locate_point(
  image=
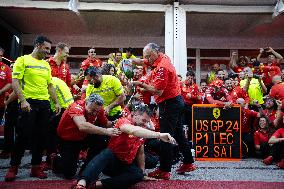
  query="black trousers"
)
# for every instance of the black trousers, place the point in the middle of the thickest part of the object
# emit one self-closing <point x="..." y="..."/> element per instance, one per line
<point x="247" y="145"/>
<point x="11" y="117"/>
<point x="31" y="130"/>
<point x="170" y="122"/>
<point x="53" y="139"/>
<point x="66" y="162"/>
<point x="187" y="120"/>
<point x="122" y="175"/>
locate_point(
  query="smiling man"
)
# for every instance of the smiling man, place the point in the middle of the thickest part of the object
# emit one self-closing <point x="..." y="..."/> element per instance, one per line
<point x="59" y="67"/>
<point x="31" y="81"/>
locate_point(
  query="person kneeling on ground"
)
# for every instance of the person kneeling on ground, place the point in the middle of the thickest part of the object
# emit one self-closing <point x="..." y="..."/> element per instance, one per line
<point x="74" y="127"/>
<point x="117" y="160"/>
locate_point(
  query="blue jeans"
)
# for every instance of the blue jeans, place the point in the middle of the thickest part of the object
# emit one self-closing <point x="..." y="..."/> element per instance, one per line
<point x="121" y="175"/>
<point x="170" y="122"/>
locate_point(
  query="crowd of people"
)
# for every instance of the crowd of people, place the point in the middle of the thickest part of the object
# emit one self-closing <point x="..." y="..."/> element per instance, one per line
<point x="127" y="114"/>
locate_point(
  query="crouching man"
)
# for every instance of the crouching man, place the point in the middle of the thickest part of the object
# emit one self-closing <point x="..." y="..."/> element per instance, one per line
<point x="117" y="161"/>
<point x="74" y="127"/>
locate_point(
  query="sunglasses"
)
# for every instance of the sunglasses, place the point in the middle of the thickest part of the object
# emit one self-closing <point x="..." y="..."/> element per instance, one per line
<point x="93" y="52"/>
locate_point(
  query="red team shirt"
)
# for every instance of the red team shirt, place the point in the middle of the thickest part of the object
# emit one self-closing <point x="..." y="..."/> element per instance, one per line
<point x="247" y="117"/>
<point x="5" y="78"/>
<point x="238" y="92"/>
<point x="193" y="91"/>
<point x="146" y="96"/>
<point x="277" y="92"/>
<point x="62" y="71"/>
<point x="268" y="73"/>
<point x="260" y="137"/>
<point x="88" y="62"/>
<point x="68" y="130"/>
<point x="125" y="146"/>
<point x="279" y="133"/>
<point x="212" y="97"/>
<point x="164" y="77"/>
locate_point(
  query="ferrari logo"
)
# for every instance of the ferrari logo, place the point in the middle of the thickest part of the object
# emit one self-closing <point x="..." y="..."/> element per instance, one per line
<point x="216" y="113"/>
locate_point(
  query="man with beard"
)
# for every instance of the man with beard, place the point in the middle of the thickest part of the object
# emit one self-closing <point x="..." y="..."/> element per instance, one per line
<point x="32" y="84"/>
<point x="217" y="94"/>
<point x="238" y="64"/>
<point x="109" y="88"/>
<point x="122" y="160"/>
<point x="236" y="92"/>
<point x="81" y="119"/>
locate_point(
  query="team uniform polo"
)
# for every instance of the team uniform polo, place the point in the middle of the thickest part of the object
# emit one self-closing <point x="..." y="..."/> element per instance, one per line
<point x="260" y="137"/>
<point x="277" y="92"/>
<point x="247" y="117"/>
<point x="34" y="76"/>
<point x="91" y="63"/>
<point x="145" y="95"/>
<point x="109" y="90"/>
<point x="279" y="133"/>
<point x="125" y="146"/>
<point x="63" y="93"/>
<point x="61" y="71"/>
<point x="238" y="92"/>
<point x="193" y="91"/>
<point x="5" y="78"/>
<point x="68" y="130"/>
<point x="164" y="77"/>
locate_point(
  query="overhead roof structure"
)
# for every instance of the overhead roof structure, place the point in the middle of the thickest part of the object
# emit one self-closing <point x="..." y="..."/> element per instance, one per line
<point x="113" y="23"/>
<point x="175" y="25"/>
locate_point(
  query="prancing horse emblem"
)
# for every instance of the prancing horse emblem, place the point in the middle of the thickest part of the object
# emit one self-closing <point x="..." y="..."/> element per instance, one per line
<point x="216" y="113"/>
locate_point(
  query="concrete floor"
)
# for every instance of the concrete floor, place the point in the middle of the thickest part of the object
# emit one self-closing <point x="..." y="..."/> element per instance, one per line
<point x="244" y="170"/>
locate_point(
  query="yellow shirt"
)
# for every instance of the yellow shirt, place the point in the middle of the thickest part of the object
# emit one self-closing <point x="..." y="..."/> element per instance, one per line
<point x="109" y="90"/>
<point x="254" y="90"/>
<point x="34" y="76"/>
<point x="63" y="93"/>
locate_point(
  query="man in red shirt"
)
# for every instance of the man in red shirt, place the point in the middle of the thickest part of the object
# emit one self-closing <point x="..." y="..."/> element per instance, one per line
<point x="141" y="94"/>
<point x="238" y="64"/>
<point x="5" y="85"/>
<point x="216" y="93"/>
<point x="273" y="59"/>
<point x="236" y="92"/>
<point x="76" y="123"/>
<point x="91" y="61"/>
<point x="58" y="65"/>
<point x="165" y="86"/>
<point x="277" y="90"/>
<point x="118" y="160"/>
<point x="247" y="118"/>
